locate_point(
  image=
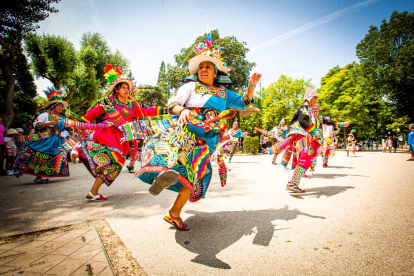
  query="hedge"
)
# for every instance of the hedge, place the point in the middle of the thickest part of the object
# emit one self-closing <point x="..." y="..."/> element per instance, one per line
<point x="251" y="145"/>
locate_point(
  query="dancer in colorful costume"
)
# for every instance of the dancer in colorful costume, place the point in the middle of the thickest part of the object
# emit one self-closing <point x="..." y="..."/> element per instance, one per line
<point x="233" y="134"/>
<point x="351" y="144"/>
<point x="105" y="158"/>
<point x="328" y="147"/>
<point x="304" y="136"/>
<point x="179" y="157"/>
<point x="41" y="155"/>
<point x="324" y="125"/>
<point x="277" y="133"/>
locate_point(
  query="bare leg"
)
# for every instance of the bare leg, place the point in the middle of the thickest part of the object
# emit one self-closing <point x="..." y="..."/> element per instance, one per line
<point x="347" y="153"/>
<point x="95" y="187"/>
<point x="182" y="198"/>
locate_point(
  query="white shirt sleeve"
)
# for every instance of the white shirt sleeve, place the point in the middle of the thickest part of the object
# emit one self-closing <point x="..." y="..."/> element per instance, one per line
<point x="182" y="95"/>
<point x="42" y="118"/>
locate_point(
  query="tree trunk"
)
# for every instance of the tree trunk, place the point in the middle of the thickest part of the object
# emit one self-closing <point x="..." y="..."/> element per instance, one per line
<point x="71" y="92"/>
<point x="6" y="55"/>
<point x="8" y="115"/>
<point x="57" y="84"/>
<point x="84" y="102"/>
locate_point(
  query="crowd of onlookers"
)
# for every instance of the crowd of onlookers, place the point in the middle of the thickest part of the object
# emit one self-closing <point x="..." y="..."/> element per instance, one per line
<point x="8" y="146"/>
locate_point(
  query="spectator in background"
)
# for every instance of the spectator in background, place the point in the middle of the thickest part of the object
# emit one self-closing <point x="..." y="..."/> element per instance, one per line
<point x="389" y="143"/>
<point x="384" y="145"/>
<point x="394" y="143"/>
<point x="410" y="142"/>
<point x="1" y="146"/>
<point x="376" y="144"/>
<point x="368" y="144"/>
<point x="10" y="149"/>
<point x="28" y="128"/>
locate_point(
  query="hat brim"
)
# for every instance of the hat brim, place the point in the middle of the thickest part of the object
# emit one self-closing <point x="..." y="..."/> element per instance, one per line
<point x="121" y="80"/>
<point x="49" y="103"/>
<point x="195" y="62"/>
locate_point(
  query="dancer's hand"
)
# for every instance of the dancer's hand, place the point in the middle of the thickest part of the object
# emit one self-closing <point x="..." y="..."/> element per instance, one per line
<point x="108" y="124"/>
<point x="254" y="79"/>
<point x="184" y="116"/>
<point x="346" y="124"/>
<point x="54" y="122"/>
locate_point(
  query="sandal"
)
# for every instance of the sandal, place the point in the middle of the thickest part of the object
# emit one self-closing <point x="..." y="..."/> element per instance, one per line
<point x="170" y="219"/>
<point x="90" y="196"/>
<point x="163" y="181"/>
<point x="41" y="181"/>
<point x="294" y="188"/>
<point x="17" y="174"/>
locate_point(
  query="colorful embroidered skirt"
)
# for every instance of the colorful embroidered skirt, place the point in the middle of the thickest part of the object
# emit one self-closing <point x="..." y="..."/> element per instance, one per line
<point x="178" y="149"/>
<point x="31" y="161"/>
<point x="102" y="161"/>
<point x="230" y="148"/>
<point x="328" y="149"/>
<point x="352" y="147"/>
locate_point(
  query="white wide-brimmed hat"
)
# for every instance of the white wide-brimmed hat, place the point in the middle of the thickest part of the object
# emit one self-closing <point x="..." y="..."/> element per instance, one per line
<point x="209" y="50"/>
<point x="113" y="76"/>
<point x="195" y="62"/>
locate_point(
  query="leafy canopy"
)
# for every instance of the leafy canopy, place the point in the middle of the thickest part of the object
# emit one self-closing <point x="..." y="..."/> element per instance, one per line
<point x="386" y="55"/>
<point x="22" y="16"/>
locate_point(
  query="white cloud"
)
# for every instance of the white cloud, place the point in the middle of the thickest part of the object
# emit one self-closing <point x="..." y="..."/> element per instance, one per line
<point x="313" y="24"/>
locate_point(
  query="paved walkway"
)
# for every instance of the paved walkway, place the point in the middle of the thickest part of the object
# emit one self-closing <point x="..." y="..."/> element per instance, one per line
<point x="355" y="219"/>
<point x="76" y="252"/>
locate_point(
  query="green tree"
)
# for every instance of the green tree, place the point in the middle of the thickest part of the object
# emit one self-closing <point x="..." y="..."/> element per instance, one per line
<point x="17" y="19"/>
<point x="386" y="55"/>
<point x="281" y="99"/>
<point x="104" y="55"/>
<point x="162" y="80"/>
<point x="79" y="74"/>
<point x="343" y="97"/>
<point x="52" y="57"/>
<point x="24" y="91"/>
<point x="149" y="95"/>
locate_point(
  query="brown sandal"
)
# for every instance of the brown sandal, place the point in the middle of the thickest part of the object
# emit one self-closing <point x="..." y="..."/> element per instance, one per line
<point x="170" y="219"/>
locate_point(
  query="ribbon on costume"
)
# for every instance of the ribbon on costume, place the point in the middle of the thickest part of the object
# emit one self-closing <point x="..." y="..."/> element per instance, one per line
<point x="265" y="132"/>
<point x="73" y="141"/>
<point x="81" y="125"/>
<point x="34" y="137"/>
<point x="142" y="129"/>
<point x="222" y="170"/>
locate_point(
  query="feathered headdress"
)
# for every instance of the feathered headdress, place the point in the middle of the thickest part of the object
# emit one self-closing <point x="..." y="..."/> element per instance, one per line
<point x="211" y="51"/>
<point x="113" y="76"/>
<point x="54" y="96"/>
<point x="210" y="48"/>
<point x="112" y="73"/>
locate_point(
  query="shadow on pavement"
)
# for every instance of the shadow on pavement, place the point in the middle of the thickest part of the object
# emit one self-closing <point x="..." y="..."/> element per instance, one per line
<point x="333" y="175"/>
<point x="339" y="167"/>
<point x="322" y="191"/>
<point x="213" y="232"/>
<point x="232" y="162"/>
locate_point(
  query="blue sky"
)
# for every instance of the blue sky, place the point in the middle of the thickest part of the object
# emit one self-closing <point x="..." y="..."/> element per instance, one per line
<point x="297" y="38"/>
